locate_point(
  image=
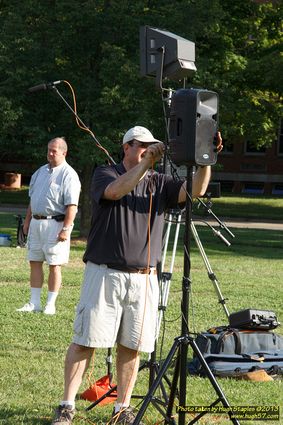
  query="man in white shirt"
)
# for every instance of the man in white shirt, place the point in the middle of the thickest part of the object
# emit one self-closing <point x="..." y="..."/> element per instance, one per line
<point x="54" y="195"/>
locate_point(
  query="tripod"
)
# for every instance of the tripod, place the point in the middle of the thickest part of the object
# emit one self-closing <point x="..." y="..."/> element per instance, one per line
<point x="166" y="276"/>
<point x="210" y="272"/>
<point x="181" y="344"/>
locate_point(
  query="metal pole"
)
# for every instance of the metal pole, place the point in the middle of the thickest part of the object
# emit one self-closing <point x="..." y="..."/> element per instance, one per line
<point x="210" y="272"/>
<point x="186" y="287"/>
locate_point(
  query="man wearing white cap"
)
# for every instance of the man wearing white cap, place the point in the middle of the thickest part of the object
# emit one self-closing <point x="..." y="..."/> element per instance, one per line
<point x="119" y="298"/>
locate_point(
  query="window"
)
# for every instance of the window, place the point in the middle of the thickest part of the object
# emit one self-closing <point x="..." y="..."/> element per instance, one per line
<point x="227" y="148"/>
<point x="277" y="189"/>
<point x="253" y="188"/>
<point x="254" y="150"/>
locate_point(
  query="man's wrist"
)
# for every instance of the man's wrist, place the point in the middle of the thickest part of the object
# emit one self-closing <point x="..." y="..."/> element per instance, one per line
<point x="66" y="228"/>
<point x="146" y="163"/>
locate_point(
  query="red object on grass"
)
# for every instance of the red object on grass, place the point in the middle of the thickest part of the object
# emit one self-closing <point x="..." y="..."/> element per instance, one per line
<point x="99" y="389"/>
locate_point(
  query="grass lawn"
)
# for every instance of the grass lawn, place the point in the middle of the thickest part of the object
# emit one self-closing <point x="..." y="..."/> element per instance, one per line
<point x="33" y="346"/>
<point x="247" y="207"/>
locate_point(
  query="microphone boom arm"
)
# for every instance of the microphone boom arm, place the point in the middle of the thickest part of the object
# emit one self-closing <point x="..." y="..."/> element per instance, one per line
<point x="221" y="223"/>
<point x="84" y="125"/>
<point x="80" y="123"/>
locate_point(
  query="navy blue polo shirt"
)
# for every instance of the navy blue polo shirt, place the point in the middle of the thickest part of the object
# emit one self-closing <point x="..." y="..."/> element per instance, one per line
<point x="119" y="229"/>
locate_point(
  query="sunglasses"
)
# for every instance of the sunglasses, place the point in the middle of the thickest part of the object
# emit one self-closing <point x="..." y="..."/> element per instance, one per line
<point x="140" y="144"/>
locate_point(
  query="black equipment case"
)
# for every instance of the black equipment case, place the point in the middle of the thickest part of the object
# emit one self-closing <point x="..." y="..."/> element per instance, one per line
<point x="253" y="319"/>
<point x="231" y="352"/>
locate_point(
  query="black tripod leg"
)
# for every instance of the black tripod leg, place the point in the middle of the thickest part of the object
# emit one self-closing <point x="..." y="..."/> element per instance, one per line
<point x="173" y="392"/>
<point x="148" y="398"/>
<point x="162" y="387"/>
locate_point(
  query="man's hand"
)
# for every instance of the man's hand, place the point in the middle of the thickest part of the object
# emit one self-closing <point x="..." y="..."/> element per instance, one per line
<point x="218" y="142"/>
<point x="154" y="152"/>
<point x="25" y="228"/>
<point x="63" y="235"/>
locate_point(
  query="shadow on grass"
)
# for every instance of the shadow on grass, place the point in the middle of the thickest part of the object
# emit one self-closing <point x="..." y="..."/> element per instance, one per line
<point x="10" y="416"/>
<point x="22" y="416"/>
<point x="13" y="416"/>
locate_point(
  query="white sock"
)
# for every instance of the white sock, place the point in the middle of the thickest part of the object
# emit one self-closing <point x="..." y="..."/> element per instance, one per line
<point x="35" y="296"/>
<point x="68" y="403"/>
<point x="51" y="297"/>
<point x="119" y="406"/>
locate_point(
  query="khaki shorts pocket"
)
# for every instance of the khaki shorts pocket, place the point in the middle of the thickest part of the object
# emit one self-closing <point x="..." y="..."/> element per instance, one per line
<point x="78" y="323"/>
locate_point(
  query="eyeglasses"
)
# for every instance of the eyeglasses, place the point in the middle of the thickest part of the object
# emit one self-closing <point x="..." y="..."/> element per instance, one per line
<point x="138" y="144"/>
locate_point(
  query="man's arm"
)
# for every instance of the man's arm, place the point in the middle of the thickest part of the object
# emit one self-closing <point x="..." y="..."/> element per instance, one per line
<point x="202" y="176"/>
<point x="70" y="215"/>
<point x="27" y="220"/>
<point x="126" y="182"/>
<point x="200" y="182"/>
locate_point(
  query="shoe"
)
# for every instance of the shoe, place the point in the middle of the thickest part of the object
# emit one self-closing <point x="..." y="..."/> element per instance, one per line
<point x="123" y="417"/>
<point x="63" y="415"/>
<point x="29" y="308"/>
<point x="49" y="309"/>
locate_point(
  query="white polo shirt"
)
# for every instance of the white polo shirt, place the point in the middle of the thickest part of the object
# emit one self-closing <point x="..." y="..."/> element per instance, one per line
<point x="52" y="189"/>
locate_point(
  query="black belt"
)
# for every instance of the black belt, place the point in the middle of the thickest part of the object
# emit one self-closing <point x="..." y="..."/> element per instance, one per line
<point x="59" y="217"/>
<point x="150" y="270"/>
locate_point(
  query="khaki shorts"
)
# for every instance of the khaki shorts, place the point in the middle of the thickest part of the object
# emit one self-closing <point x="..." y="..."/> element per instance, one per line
<point x="43" y="245"/>
<point x="118" y="307"/>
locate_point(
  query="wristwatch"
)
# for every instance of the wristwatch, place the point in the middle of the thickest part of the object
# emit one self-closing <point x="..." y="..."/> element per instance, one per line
<point x="65" y="228"/>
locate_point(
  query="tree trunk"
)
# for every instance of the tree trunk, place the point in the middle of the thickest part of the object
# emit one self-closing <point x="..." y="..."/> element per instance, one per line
<point x="85" y="201"/>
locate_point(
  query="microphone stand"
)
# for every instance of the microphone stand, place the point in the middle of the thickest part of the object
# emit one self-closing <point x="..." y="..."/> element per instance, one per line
<point x="221" y="223"/>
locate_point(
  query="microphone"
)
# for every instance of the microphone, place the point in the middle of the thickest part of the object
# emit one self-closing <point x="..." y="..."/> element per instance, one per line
<point x="219" y="235"/>
<point x="44" y="86"/>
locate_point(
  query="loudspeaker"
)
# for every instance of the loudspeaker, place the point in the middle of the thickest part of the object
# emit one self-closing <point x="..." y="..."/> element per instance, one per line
<point x="192" y="127"/>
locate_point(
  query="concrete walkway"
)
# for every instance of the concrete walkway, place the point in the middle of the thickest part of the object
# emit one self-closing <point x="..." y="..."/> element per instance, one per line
<point x="230" y="222"/>
<point x="14" y="209"/>
<point x="245" y="224"/>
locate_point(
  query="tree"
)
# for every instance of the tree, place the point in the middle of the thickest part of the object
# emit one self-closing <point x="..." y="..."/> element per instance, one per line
<point x="94" y="45"/>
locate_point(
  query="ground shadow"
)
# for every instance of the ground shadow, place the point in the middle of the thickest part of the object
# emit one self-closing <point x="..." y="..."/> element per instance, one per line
<point x="23" y="416"/>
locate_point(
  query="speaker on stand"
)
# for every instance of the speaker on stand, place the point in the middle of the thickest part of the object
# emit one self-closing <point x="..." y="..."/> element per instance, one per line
<point x="192" y="127"/>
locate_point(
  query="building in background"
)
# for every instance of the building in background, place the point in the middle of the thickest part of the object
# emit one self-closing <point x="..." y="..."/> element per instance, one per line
<point x="241" y="168"/>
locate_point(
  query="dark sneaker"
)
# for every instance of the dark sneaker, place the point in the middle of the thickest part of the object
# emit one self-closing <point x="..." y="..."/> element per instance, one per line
<point x="63" y="415"/>
<point x="124" y="417"/>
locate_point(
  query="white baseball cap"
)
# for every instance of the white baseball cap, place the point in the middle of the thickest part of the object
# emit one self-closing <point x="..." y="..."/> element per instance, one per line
<point x="139" y="133"/>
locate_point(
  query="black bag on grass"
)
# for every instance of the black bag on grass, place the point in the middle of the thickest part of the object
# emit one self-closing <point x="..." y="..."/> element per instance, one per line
<point x="230" y="352"/>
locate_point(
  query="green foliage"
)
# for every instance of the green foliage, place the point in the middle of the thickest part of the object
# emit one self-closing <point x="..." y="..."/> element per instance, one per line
<point x="94" y="46"/>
